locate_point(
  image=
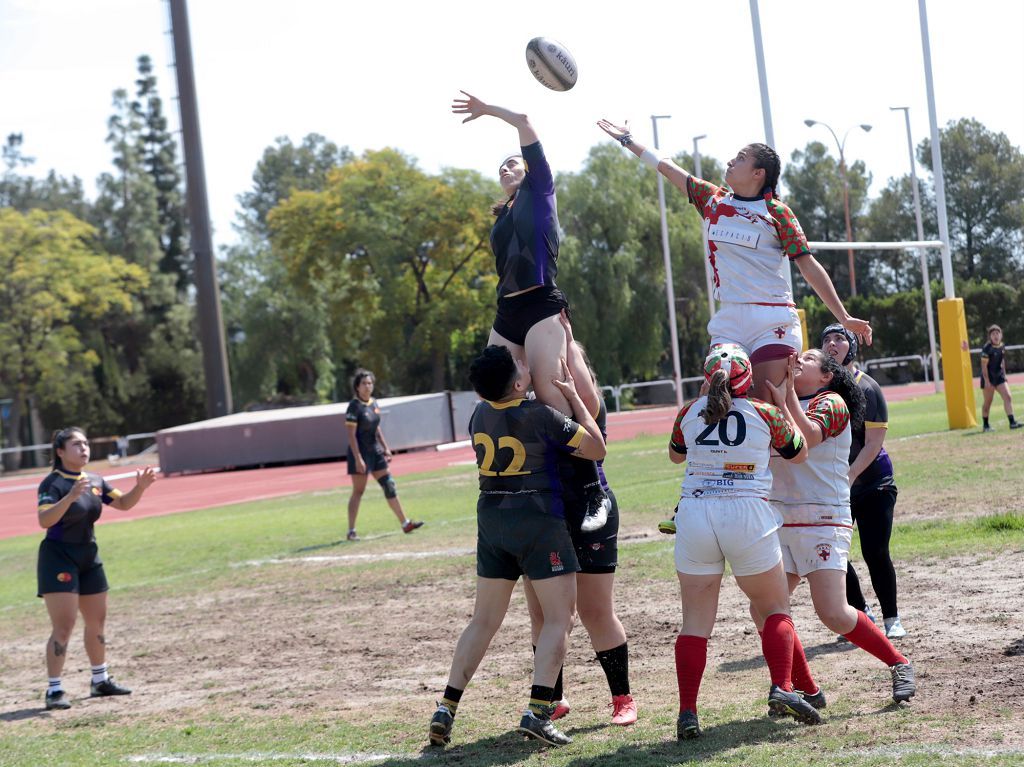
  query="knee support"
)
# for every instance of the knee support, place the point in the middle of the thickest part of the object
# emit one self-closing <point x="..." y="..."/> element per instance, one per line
<point x="388" y="485"/>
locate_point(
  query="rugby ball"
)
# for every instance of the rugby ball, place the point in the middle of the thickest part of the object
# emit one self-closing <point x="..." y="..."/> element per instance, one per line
<point x="551" y="63"/>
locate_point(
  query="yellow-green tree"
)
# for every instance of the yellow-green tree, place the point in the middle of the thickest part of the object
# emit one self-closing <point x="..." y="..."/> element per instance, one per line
<point x="55" y="281"/>
<point x="401" y="261"/>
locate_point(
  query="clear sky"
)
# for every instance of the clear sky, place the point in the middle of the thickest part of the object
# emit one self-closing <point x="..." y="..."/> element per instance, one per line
<point x="375" y="74"/>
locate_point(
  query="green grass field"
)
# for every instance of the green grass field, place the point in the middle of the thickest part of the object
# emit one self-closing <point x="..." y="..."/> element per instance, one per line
<point x="253" y="635"/>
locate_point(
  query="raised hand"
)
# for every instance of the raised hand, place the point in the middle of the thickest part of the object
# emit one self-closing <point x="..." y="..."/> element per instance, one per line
<point x="860" y="328"/>
<point x="145" y="477"/>
<point x="470" y="105"/>
<point x="613" y="130"/>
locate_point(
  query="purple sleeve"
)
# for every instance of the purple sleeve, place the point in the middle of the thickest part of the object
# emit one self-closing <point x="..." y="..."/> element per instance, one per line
<point x="538" y="172"/>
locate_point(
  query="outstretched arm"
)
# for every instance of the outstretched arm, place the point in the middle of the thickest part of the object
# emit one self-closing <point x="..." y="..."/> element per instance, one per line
<point x="666" y="167"/>
<point x="819" y="280"/>
<point x="475" y="108"/>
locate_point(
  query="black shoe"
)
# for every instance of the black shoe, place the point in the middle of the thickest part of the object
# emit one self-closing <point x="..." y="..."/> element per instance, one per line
<point x="598" y="507"/>
<point x="410" y="525"/>
<point x="1016" y="425"/>
<point x="107" y="687"/>
<point x="57" y="699"/>
<point x="817" y="700"/>
<point x="792" y="704"/>
<point x="540" y="727"/>
<point x="441" y="726"/>
<point x="687" y="726"/>
<point x="903" y="685"/>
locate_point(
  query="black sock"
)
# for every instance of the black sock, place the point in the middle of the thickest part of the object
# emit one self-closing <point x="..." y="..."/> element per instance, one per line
<point x="540" y="700"/>
<point x="1012" y="419"/>
<point x="615" y="663"/>
<point x="451" y="699"/>
<point x="984" y="419"/>
<point x="558" y="691"/>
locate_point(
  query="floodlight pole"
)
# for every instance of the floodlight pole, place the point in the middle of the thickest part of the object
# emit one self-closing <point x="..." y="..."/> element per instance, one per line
<point x="670" y="293"/>
<point x="926" y="281"/>
<point x="708" y="278"/>
<point x="211" y="326"/>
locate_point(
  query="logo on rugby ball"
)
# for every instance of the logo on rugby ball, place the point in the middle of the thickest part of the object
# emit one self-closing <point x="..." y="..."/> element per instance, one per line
<point x="824" y="551"/>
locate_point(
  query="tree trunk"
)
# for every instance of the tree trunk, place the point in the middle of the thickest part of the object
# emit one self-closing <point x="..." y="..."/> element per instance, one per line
<point x="439" y="368"/>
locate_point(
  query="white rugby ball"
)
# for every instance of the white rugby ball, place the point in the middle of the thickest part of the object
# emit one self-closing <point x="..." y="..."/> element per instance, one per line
<point x="551" y="63"/>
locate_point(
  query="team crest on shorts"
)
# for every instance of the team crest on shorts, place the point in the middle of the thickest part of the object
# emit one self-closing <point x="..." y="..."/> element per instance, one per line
<point x="824" y="551"/>
<point x="64" y="577"/>
<point x="780" y="331"/>
<point x="556" y="562"/>
<point x="596" y="546"/>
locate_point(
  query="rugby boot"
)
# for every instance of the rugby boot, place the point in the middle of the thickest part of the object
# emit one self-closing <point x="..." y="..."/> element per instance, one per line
<point x="106" y="688"/>
<point x="623" y="710"/>
<point x="441" y="726"/>
<point x="57" y="699"/>
<point x="540" y="728"/>
<point x="894" y="628"/>
<point x="409" y="526"/>
<point x="817" y="700"/>
<point x="598" y="507"/>
<point x="903" y="685"/>
<point x="562" y="708"/>
<point x="352" y="536"/>
<point x="792" y="704"/>
<point x="1016" y="425"/>
<point x="687" y="726"/>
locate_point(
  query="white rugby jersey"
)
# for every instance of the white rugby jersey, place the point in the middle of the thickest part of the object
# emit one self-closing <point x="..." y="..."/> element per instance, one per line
<point x="817" y="491"/>
<point x="730" y="458"/>
<point x="748" y="240"/>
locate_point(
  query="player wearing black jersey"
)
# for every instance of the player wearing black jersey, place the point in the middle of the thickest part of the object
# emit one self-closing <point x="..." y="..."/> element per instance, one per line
<point x="525" y="240"/>
<point x="368" y="453"/>
<point x="70" y="572"/>
<point x="520" y="528"/>
<point x="993" y="378"/>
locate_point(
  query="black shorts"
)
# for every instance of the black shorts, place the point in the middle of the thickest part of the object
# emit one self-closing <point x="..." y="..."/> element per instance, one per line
<point x="994" y="380"/>
<point x="522" y="541"/>
<point x="597" y="551"/>
<point x="375" y="461"/>
<point x="73" y="568"/>
<point x="518" y="314"/>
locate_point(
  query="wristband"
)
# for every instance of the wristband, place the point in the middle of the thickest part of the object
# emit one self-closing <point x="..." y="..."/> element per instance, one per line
<point x="626" y="140"/>
<point x="650" y="158"/>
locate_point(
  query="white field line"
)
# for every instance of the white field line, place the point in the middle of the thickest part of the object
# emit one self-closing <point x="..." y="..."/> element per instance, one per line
<point x="926" y="749"/>
<point x="259" y="757"/>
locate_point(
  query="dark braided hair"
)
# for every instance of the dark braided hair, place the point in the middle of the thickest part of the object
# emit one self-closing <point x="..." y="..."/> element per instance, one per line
<point x="842" y="383"/>
<point x="768" y="159"/>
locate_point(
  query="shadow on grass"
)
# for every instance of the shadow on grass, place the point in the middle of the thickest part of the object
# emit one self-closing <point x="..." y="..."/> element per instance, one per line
<point x="25" y="713"/>
<point x="757" y="661"/>
<point x="504" y="749"/>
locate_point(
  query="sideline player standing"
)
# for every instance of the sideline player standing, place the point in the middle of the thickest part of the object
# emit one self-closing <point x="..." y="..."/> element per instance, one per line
<point x="873" y="488"/>
<point x="993" y="378"/>
<point x="725" y="440"/>
<point x="822" y="400"/>
<point x="520" y="529"/>
<point x="750" y="234"/>
<point x="70" y="571"/>
<point x="369" y="453"/>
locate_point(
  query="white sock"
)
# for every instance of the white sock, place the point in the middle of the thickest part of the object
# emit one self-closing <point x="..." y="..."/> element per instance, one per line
<point x="54" y="685"/>
<point x="99" y="673"/>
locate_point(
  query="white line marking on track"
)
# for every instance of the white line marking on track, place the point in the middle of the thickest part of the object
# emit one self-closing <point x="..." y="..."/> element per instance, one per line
<point x="260" y="757"/>
<point x="124" y="475"/>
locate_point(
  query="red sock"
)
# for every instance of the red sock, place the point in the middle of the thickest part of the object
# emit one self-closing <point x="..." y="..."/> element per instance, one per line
<point x="802" y="679"/>
<point x="691" y="657"/>
<point x="777" y="647"/>
<point x="867" y="636"/>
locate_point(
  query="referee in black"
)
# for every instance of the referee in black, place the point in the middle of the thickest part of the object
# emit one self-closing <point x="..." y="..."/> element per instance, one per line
<point x="70" y="572"/>
<point x="521" y="528"/>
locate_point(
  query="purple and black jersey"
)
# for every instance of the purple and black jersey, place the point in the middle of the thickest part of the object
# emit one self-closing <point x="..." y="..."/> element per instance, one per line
<point x="519" y="448"/>
<point x="525" y="236"/>
<point x="76" y="526"/>
<point x="992" y="358"/>
<point x="576" y="473"/>
<point x="366" y="417"/>
<point x="876" y="416"/>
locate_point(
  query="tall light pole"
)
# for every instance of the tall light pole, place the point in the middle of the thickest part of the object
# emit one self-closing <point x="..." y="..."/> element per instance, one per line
<point x="670" y="293"/>
<point x="704" y="234"/>
<point x="846" y="190"/>
<point x="921" y="253"/>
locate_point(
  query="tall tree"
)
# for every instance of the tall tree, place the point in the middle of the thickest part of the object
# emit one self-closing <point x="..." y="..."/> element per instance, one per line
<point x="891" y="218"/>
<point x="25" y="192"/>
<point x="984" y="176"/>
<point x="159" y="156"/>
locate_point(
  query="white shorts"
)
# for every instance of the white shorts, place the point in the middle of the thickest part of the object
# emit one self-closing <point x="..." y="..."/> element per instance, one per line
<point x="753" y="326"/>
<point x="815" y="547"/>
<point x="710" y="531"/>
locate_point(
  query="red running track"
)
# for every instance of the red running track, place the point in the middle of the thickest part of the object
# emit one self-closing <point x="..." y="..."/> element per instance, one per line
<point x="171" y="495"/>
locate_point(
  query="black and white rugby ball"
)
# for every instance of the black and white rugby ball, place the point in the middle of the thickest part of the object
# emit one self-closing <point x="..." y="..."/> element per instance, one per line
<point x="551" y="63"/>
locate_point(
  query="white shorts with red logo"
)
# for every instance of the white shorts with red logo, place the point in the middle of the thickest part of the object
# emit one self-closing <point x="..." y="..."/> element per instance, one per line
<point x="710" y="531"/>
<point x="753" y="326"/>
<point x="808" y="548"/>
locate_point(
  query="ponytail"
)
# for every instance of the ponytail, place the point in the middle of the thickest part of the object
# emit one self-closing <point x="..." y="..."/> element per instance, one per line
<point x="719" y="399"/>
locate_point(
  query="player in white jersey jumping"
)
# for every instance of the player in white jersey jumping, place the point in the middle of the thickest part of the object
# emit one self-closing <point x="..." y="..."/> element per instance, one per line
<point x="821" y="398"/>
<point x="726" y="439"/>
<point x="750" y="234"/>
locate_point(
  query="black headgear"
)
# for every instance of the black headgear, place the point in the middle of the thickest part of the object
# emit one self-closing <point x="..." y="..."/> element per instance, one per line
<point x="837" y="327"/>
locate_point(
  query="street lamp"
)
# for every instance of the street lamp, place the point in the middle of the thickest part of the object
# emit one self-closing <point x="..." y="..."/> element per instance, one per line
<point x="677" y="375"/>
<point x="703" y="233"/>
<point x="924" y="261"/>
<point x="846" y="189"/>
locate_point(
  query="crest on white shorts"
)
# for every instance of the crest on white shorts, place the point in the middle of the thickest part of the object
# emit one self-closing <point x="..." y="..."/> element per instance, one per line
<point x="824" y="551"/>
